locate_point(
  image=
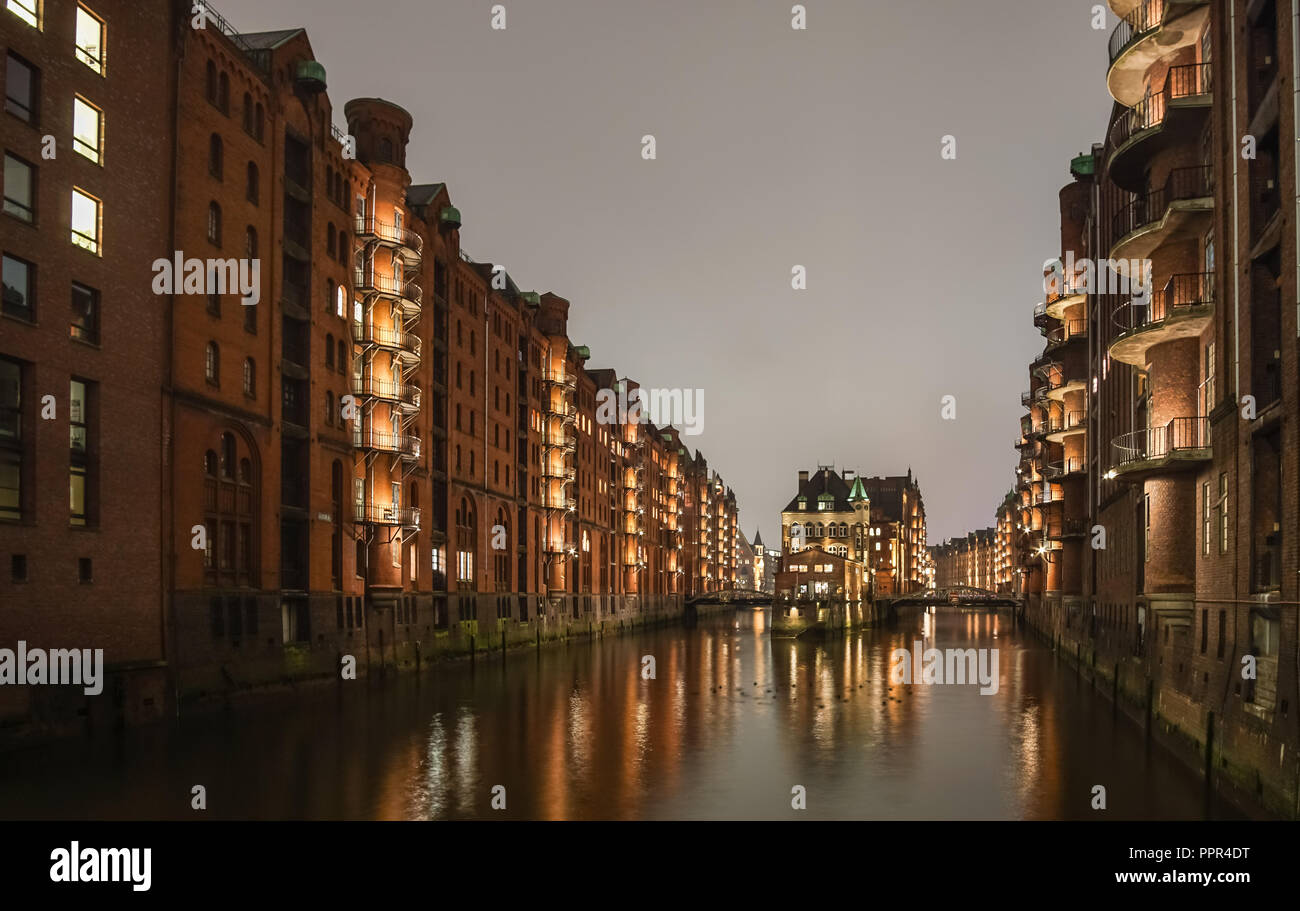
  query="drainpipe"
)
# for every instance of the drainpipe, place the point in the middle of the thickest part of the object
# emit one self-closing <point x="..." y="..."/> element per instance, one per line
<point x="1295" y="176"/>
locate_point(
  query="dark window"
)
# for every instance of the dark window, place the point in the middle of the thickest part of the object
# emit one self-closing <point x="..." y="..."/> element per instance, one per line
<point x="21" y="89"/>
<point x="20" y="189"/>
<point x="18" y="568"/>
<point x="81" y="487"/>
<point x="211" y="83"/>
<point x="214" y="223"/>
<point x="223" y="93"/>
<point x="254" y="184"/>
<point x="11" y="455"/>
<point x="216" y="157"/>
<point x="85" y="314"/>
<point x="85" y="570"/>
<point x="19" y="296"/>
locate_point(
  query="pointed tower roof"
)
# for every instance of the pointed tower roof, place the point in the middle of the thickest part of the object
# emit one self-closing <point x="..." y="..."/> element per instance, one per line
<point x="758" y="538"/>
<point x="858" y="491"/>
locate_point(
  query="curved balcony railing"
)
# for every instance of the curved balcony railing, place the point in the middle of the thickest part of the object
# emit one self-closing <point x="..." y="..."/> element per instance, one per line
<point x="1183" y="184"/>
<point x="387" y="390"/>
<point x="395" y="516"/>
<point x="562" y="379"/>
<point x="567" y="445"/>
<point x="1063" y="468"/>
<point x="386" y="441"/>
<point x="389" y="234"/>
<point x="408" y="292"/>
<point x="387" y="338"/>
<point x="1186" y="81"/>
<point x="1181" y="435"/>
<point x="1068" y="331"/>
<point x="1180" y="294"/>
<point x="1145" y="18"/>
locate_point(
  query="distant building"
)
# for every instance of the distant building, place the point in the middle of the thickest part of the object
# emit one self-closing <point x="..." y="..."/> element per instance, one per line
<point x="878" y="522"/>
<point x="815" y="574"/>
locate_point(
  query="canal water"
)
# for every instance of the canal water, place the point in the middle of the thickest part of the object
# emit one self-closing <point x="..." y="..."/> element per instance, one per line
<point x="733" y="722"/>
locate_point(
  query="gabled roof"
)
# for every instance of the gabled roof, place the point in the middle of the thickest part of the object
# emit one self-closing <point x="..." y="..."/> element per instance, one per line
<point x="825" y="483"/>
<point x="422" y="194"/>
<point x="266" y="41"/>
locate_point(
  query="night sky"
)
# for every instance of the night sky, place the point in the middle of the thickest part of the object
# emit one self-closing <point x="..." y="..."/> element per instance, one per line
<point x="775" y="148"/>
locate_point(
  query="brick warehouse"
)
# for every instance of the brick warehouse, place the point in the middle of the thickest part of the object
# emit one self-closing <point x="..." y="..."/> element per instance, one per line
<point x="1159" y="493"/>
<point x="396" y="453"/>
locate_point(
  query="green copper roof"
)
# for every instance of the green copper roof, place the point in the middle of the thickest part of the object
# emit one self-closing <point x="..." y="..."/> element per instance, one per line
<point x="1083" y="165"/>
<point x="582" y="351"/>
<point x="858" y="492"/>
<point x="313" y="73"/>
<point x="451" y="215"/>
<point x="532" y="298"/>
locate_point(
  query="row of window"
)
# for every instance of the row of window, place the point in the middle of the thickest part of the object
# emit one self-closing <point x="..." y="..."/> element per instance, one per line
<point x="18" y="569"/>
<point x="90" y="35"/>
<point x="19" y="300"/>
<point x="217" y="91"/>
<point x="83" y="436"/>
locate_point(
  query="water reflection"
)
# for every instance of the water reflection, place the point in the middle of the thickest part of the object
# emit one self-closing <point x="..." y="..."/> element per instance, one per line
<point x="733" y="721"/>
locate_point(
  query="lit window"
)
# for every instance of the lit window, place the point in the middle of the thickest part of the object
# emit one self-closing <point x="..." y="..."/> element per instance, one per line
<point x="341" y="306"/>
<point x="87" y="128"/>
<point x="27" y="10"/>
<point x="85" y="221"/>
<point x="90" y="39"/>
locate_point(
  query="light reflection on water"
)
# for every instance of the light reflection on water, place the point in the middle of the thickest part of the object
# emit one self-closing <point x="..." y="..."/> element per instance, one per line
<point x="733" y="721"/>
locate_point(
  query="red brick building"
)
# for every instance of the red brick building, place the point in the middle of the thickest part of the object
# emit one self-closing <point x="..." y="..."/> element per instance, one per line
<point x="372" y="445"/>
<point x="1159" y="495"/>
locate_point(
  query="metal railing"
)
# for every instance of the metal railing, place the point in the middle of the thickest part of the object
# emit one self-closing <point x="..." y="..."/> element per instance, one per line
<point x="375" y="514"/>
<point x="1186" y="81"/>
<point x="1182" y="292"/>
<point x="386" y="441"/>
<point x="385" y="337"/>
<point x="369" y="280"/>
<point x="388" y="390"/>
<point x="1179" y="435"/>
<point x="1183" y="183"/>
<point x="1146" y="17"/>
<point x="372" y="227"/>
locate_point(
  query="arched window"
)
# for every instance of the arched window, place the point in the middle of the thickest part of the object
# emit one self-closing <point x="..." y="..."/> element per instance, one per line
<point x="212" y="364"/>
<point x="248" y="113"/>
<point x="343" y="357"/>
<point x="212" y="82"/>
<point x="329" y="294"/>
<point x="250" y="378"/>
<point x="250" y="242"/>
<point x="227" y="463"/>
<point x="214" y="223"/>
<point x="329" y="408"/>
<point x="329" y="350"/>
<point x="216" y="156"/>
<point x="257" y="123"/>
<point x="254" y="190"/>
<point x="223" y="93"/>
<point x="210" y="463"/>
<point x="501" y="557"/>
<point x="230" y="509"/>
<point x="329" y="239"/>
<point x="340" y="303"/>
<point x="385" y="150"/>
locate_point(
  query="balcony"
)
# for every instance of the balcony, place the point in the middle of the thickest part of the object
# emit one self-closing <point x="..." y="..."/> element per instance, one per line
<point x="1055" y="471"/>
<point x="407" y="294"/>
<point x="1178" y="210"/>
<point x="561" y="379"/>
<point x="1067" y="528"/>
<point x="1182" y="443"/>
<point x="408" y="244"/>
<point x="406" y="395"/>
<point x="407" y="447"/>
<point x="1172" y="115"/>
<point x="1069" y="331"/>
<point x="1063" y="292"/>
<point x="1152" y="31"/>
<point x="1025" y="399"/>
<point x="1074" y="422"/>
<point x="1181" y="309"/>
<point x="405" y="344"/>
<point x="392" y="516"/>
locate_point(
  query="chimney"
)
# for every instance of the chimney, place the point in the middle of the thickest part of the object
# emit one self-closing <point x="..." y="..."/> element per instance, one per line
<point x="848" y="474"/>
<point x="803" y="481"/>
